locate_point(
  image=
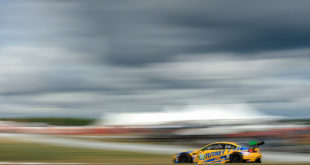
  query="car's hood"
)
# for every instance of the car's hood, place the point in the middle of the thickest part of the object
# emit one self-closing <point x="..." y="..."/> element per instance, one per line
<point x="188" y="151"/>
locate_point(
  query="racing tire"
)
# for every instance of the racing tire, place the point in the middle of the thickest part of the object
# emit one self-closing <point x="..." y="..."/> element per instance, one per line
<point x="236" y="158"/>
<point x="258" y="160"/>
<point x="185" y="158"/>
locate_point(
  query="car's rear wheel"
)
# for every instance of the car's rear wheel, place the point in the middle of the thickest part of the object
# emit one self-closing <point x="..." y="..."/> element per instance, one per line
<point x="185" y="158"/>
<point x="258" y="160"/>
<point x="236" y="158"/>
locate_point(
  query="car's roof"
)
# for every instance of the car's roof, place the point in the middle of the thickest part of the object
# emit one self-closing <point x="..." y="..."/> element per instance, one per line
<point x="225" y="143"/>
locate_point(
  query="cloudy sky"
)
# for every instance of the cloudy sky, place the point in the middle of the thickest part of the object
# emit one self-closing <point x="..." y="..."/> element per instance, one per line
<point x="85" y="58"/>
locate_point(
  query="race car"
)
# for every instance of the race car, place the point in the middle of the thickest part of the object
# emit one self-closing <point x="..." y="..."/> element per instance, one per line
<point x="222" y="152"/>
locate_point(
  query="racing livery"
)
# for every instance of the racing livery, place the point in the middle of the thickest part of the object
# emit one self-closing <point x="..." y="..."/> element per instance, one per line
<point x="221" y="152"/>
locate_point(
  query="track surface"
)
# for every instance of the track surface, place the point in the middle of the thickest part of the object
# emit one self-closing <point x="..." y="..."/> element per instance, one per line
<point x="145" y="148"/>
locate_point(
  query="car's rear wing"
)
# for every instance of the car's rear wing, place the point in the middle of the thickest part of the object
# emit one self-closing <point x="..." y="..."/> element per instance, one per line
<point x="256" y="144"/>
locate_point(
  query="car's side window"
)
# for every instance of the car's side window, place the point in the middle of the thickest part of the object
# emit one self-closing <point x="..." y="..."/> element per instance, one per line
<point x="229" y="146"/>
<point x="215" y="147"/>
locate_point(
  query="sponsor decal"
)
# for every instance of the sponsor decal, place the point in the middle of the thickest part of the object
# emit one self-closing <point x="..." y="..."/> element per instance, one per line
<point x="210" y="160"/>
<point x="244" y="148"/>
<point x="213" y="154"/>
<point x="201" y="157"/>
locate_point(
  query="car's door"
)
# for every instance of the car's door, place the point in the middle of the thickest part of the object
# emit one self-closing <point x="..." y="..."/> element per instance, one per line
<point x="229" y="148"/>
<point x="211" y="153"/>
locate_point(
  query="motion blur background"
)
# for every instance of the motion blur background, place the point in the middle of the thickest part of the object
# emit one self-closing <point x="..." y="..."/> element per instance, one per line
<point x="181" y="73"/>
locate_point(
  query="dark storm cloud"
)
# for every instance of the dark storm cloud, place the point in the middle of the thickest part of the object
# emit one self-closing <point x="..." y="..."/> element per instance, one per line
<point x="156" y="32"/>
<point x="90" y="57"/>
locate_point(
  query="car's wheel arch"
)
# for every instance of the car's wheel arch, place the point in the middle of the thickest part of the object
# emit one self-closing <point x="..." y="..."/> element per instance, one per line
<point x="186" y="154"/>
<point x="236" y="153"/>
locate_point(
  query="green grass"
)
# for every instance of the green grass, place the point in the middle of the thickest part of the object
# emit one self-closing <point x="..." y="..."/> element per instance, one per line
<point x="13" y="151"/>
<point x="304" y="121"/>
<point x="54" y="121"/>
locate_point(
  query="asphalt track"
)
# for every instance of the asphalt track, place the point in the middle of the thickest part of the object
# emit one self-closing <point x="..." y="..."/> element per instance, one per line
<point x="143" y="148"/>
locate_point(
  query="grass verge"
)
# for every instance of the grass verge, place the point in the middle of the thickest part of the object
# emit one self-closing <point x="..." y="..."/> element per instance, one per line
<point x="15" y="151"/>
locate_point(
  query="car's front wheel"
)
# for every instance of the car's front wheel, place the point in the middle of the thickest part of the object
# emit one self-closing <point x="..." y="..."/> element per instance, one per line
<point x="185" y="158"/>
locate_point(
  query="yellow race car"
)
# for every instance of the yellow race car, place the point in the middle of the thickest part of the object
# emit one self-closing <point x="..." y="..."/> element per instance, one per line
<point x="222" y="152"/>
